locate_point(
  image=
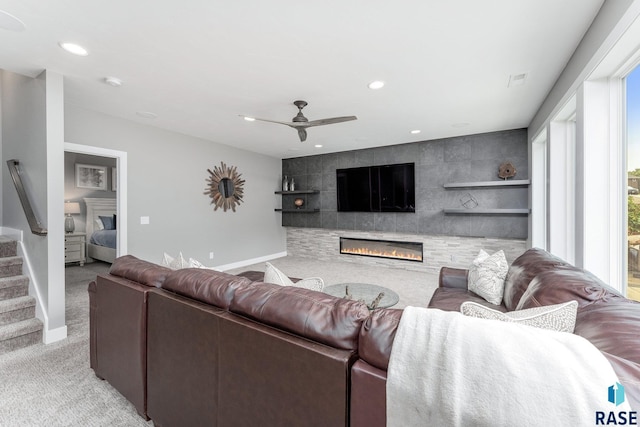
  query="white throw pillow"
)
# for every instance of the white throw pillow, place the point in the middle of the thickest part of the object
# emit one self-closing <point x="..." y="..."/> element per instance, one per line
<point x="174" y="263"/>
<point x="98" y="225"/>
<point x="557" y="317"/>
<point x="277" y="277"/>
<point x="197" y="264"/>
<point x="487" y="274"/>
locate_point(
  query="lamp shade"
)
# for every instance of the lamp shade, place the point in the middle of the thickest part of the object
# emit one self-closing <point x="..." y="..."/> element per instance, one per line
<point x="71" y="208"/>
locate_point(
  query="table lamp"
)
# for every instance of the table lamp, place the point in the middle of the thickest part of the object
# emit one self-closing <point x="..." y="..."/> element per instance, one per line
<point x="70" y="208"/>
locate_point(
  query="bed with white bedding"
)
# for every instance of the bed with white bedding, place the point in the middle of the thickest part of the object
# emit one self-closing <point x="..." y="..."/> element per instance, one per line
<point x="101" y="240"/>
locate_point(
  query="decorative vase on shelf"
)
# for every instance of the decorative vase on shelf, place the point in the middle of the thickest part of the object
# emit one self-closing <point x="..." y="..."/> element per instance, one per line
<point x="292" y="185"/>
<point x="285" y="184"/>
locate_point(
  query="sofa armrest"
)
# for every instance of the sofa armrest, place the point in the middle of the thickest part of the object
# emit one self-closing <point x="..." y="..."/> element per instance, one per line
<point x="453" y="278"/>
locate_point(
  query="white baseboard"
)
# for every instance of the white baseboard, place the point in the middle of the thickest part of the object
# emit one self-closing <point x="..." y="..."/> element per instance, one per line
<point x="250" y="261"/>
<point x="53" y="335"/>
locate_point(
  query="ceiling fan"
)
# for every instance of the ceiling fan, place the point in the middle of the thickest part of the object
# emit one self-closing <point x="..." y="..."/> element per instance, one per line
<point x="301" y="123"/>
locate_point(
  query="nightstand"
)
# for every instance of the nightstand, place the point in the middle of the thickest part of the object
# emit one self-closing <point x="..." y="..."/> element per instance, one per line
<point x="74" y="248"/>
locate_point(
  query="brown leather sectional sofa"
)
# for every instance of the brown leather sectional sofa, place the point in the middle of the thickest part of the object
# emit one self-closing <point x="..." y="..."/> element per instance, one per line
<point x="198" y="347"/>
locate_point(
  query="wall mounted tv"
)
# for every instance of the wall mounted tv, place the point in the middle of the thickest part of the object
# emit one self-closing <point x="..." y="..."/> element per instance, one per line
<point x="387" y="188"/>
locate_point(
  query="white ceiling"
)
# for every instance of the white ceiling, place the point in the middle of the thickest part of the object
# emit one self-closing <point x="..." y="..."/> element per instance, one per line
<point x="200" y="64"/>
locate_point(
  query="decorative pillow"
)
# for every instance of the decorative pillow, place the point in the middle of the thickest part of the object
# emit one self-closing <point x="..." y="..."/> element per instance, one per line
<point x="98" y="225"/>
<point x="197" y="264"/>
<point x="487" y="274"/>
<point x="108" y="223"/>
<point x="277" y="277"/>
<point x="175" y="263"/>
<point x="557" y="317"/>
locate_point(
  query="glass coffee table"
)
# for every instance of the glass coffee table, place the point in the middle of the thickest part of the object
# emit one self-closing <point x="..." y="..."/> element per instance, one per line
<point x="373" y="296"/>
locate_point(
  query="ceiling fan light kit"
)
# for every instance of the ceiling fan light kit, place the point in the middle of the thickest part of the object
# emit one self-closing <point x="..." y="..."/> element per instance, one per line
<point x="301" y="123"/>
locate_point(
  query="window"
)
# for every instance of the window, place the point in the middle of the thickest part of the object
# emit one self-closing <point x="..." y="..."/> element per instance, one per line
<point x="633" y="183"/>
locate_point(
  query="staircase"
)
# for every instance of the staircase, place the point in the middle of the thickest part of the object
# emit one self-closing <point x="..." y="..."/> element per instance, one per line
<point x="18" y="325"/>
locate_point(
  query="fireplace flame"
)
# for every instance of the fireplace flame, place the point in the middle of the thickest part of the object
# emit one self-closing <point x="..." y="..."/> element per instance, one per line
<point x="387" y="254"/>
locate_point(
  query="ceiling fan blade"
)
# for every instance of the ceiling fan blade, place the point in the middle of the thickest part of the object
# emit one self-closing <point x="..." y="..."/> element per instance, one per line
<point x="330" y="121"/>
<point x="302" y="134"/>
<point x="275" y="121"/>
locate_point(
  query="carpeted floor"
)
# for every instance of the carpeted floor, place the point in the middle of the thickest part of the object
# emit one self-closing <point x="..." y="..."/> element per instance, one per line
<point x="52" y="385"/>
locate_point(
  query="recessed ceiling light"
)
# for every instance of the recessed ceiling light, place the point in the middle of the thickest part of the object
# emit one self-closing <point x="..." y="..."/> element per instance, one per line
<point x="249" y="119"/>
<point x="147" y="114"/>
<point x="10" y="22"/>
<point x="76" y="49"/>
<point x="318" y="145"/>
<point x="113" y="81"/>
<point x="377" y="84"/>
<point x="415" y="131"/>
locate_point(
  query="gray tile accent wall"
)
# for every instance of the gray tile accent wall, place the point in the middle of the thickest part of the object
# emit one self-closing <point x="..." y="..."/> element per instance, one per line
<point x="459" y="159"/>
<point x="438" y="251"/>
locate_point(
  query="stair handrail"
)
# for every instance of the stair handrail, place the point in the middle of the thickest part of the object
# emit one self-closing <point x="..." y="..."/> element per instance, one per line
<point x="34" y="224"/>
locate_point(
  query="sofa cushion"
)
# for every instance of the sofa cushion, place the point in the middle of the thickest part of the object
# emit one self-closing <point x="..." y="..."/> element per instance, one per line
<point x="376" y="336"/>
<point x="137" y="270"/>
<point x="562" y="285"/>
<point x="487" y="274"/>
<point x="557" y="317"/>
<point x="524" y="269"/>
<point x="320" y="317"/>
<point x="450" y="299"/>
<point x="613" y="326"/>
<point x="210" y="286"/>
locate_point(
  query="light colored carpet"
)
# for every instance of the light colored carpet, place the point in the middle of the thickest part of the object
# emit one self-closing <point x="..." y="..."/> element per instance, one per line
<point x="52" y="385"/>
<point x="414" y="288"/>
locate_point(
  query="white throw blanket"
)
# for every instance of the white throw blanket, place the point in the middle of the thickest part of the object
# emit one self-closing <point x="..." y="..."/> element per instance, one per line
<point x="447" y="369"/>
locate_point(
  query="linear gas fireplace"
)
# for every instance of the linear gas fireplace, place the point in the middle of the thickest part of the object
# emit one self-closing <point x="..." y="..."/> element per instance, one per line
<point x="408" y="251"/>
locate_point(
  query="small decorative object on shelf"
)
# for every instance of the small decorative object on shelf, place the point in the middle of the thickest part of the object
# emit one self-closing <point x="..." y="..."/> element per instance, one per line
<point x="292" y="185"/>
<point x="468" y="201"/>
<point x="506" y="170"/>
<point x="299" y="202"/>
<point x="285" y="184"/>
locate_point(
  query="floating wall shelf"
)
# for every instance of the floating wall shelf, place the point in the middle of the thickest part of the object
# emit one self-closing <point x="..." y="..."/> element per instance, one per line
<point x="496" y="211"/>
<point x="298" y="192"/>
<point x="297" y="210"/>
<point x="502" y="183"/>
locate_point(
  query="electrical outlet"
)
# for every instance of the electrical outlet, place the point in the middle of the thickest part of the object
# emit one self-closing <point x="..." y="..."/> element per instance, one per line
<point x="454" y="258"/>
<point x="210" y="255"/>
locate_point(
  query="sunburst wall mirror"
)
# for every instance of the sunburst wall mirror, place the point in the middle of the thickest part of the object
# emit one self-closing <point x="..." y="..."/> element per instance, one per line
<point x="225" y="187"/>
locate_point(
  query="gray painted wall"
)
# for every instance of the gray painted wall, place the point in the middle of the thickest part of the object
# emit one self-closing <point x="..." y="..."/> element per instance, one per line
<point x="459" y="159"/>
<point x="167" y="175"/>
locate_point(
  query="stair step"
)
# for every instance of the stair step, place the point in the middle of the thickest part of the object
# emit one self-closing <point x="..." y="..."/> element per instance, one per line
<point x="20" y="334"/>
<point x="17" y="309"/>
<point x="8" y="247"/>
<point x="10" y="266"/>
<point x="13" y="287"/>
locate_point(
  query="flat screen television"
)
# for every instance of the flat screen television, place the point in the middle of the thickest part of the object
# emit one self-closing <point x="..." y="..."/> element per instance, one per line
<point x="386" y="188"/>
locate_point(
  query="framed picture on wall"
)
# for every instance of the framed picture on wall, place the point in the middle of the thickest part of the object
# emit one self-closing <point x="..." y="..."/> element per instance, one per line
<point x="90" y="176"/>
<point x="114" y="179"/>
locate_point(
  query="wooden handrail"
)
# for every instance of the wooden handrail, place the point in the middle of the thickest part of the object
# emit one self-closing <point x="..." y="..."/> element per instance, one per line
<point x="34" y="224"/>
